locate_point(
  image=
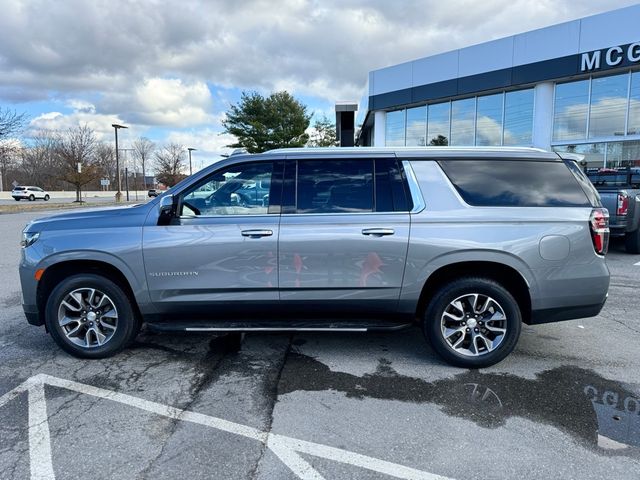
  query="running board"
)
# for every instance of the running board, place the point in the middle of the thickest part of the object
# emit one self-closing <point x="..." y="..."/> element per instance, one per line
<point x="299" y="326"/>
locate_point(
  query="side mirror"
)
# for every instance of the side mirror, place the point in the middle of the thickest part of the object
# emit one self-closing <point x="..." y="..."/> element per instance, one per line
<point x="167" y="210"/>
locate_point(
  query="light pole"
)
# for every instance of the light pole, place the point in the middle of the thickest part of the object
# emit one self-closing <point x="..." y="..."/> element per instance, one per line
<point x="118" y="193"/>
<point x="190" y="169"/>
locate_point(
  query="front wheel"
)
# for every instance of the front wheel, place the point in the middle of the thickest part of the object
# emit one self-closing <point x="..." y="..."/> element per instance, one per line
<point x="472" y="322"/>
<point x="632" y="241"/>
<point x="46" y="198"/>
<point x="89" y="316"/>
<point x="17" y="199"/>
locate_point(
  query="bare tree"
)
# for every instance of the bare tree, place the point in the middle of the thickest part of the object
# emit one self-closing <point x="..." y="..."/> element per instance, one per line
<point x="170" y="164"/>
<point x="39" y="162"/>
<point x="142" y="150"/>
<point x="11" y="124"/>
<point x="76" y="149"/>
<point x="105" y="157"/>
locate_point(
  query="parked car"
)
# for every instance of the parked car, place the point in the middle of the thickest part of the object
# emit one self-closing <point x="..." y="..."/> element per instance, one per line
<point x="152" y="192"/>
<point x="620" y="193"/>
<point x="29" y="193"/>
<point x="467" y="243"/>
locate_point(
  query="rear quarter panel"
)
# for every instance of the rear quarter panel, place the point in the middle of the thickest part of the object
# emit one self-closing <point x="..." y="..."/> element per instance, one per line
<point x="449" y="231"/>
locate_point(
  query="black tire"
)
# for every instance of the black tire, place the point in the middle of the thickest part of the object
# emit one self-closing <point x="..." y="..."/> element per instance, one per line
<point x="431" y="324"/>
<point x="128" y="325"/>
<point x="632" y="242"/>
<point x="32" y="198"/>
<point x="46" y="198"/>
<point x="17" y="199"/>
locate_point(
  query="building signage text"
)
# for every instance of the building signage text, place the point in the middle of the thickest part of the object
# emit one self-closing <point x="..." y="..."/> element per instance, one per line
<point x="610" y="57"/>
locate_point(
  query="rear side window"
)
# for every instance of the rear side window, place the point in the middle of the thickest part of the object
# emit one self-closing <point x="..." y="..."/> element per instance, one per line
<point x="587" y="186"/>
<point x="515" y="183"/>
<point x="334" y="186"/>
<point x="390" y="193"/>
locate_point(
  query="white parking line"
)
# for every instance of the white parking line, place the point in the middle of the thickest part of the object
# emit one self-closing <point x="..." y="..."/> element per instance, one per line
<point x="637" y="264"/>
<point x="39" y="440"/>
<point x="287" y="449"/>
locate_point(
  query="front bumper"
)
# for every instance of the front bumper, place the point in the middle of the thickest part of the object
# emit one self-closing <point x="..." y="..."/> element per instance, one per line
<point x="33" y="315"/>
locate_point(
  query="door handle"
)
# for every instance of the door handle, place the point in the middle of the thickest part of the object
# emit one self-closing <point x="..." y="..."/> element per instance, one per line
<point x="256" y="233"/>
<point x="378" y="232"/>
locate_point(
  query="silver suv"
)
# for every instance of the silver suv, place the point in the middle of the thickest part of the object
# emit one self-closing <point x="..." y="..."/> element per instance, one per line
<point x="466" y="243"/>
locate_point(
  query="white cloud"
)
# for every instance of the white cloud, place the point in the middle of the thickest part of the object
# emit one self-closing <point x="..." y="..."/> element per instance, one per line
<point x="210" y="144"/>
<point x="59" y="122"/>
<point x="323" y="48"/>
<point x="163" y="101"/>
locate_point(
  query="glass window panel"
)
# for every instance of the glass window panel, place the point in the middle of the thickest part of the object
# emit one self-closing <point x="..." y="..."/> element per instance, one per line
<point x="593" y="153"/>
<point x="621" y="154"/>
<point x="570" y="110"/>
<point x="518" y="117"/>
<point x="339" y="186"/>
<point x="416" y="127"/>
<point x="608" y="106"/>
<point x="489" y="120"/>
<point x="438" y="124"/>
<point x="241" y="189"/>
<point x="394" y="135"/>
<point x="633" y="127"/>
<point x="515" y="183"/>
<point x="463" y="113"/>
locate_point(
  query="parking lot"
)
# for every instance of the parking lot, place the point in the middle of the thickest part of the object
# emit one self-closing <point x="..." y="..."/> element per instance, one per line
<point x="565" y="404"/>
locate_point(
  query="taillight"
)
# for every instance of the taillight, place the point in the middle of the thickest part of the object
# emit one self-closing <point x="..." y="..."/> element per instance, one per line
<point x="623" y="204"/>
<point x="599" y="223"/>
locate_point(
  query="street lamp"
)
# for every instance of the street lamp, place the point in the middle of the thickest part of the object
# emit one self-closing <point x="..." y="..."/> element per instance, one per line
<point x="118" y="193"/>
<point x="190" y="169"/>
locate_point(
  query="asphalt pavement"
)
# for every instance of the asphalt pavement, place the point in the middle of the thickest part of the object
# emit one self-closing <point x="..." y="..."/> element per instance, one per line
<point x="565" y="404"/>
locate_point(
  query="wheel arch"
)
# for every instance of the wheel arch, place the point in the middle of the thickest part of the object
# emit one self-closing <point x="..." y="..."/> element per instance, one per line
<point x="56" y="272"/>
<point x="506" y="275"/>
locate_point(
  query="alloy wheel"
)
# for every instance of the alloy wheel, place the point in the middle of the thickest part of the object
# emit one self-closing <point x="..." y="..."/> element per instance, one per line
<point x="88" y="317"/>
<point x="473" y="324"/>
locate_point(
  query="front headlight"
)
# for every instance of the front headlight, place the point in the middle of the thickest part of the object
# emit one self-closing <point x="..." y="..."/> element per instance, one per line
<point x="29" y="238"/>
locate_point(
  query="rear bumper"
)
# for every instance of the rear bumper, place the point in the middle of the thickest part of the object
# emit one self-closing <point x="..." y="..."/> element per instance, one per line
<point x="551" y="315"/>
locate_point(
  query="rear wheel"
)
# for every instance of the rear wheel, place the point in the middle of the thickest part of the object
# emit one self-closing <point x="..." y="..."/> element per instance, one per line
<point x="472" y="322"/>
<point x="632" y="241"/>
<point x="89" y="316"/>
<point x="32" y="198"/>
<point x="17" y="199"/>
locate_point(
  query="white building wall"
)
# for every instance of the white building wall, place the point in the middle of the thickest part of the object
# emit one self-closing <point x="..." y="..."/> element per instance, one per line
<point x="379" y="129"/>
<point x="543" y="115"/>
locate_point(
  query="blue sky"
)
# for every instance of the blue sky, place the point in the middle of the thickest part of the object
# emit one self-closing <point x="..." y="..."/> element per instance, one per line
<point x="169" y="70"/>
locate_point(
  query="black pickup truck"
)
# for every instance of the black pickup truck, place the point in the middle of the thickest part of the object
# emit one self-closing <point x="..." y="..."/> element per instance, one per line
<point x="620" y="193"/>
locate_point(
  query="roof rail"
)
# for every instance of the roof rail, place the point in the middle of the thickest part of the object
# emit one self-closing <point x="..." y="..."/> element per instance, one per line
<point x="239" y="151"/>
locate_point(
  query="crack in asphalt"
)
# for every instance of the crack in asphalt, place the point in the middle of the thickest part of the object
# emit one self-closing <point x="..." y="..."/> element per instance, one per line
<point x="199" y="382"/>
<point x="273" y="399"/>
<point x="624" y="325"/>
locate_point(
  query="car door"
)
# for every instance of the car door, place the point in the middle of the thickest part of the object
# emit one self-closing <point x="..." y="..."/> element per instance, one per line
<point x="344" y="234"/>
<point x="218" y="256"/>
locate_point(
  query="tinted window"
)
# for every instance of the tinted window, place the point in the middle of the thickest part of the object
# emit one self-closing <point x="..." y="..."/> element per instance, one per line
<point x="514" y="183"/>
<point x="241" y="189"/>
<point x="614" y="179"/>
<point x="390" y="193"/>
<point x="326" y="186"/>
<point x="583" y="180"/>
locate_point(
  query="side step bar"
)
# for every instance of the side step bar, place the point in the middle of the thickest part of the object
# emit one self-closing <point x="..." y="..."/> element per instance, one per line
<point x="226" y="327"/>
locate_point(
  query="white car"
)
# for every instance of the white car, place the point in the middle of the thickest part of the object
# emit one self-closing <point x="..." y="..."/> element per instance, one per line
<point x="29" y="193"/>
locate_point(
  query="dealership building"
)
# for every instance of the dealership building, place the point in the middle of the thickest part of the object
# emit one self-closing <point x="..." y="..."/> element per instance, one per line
<point x="572" y="87"/>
